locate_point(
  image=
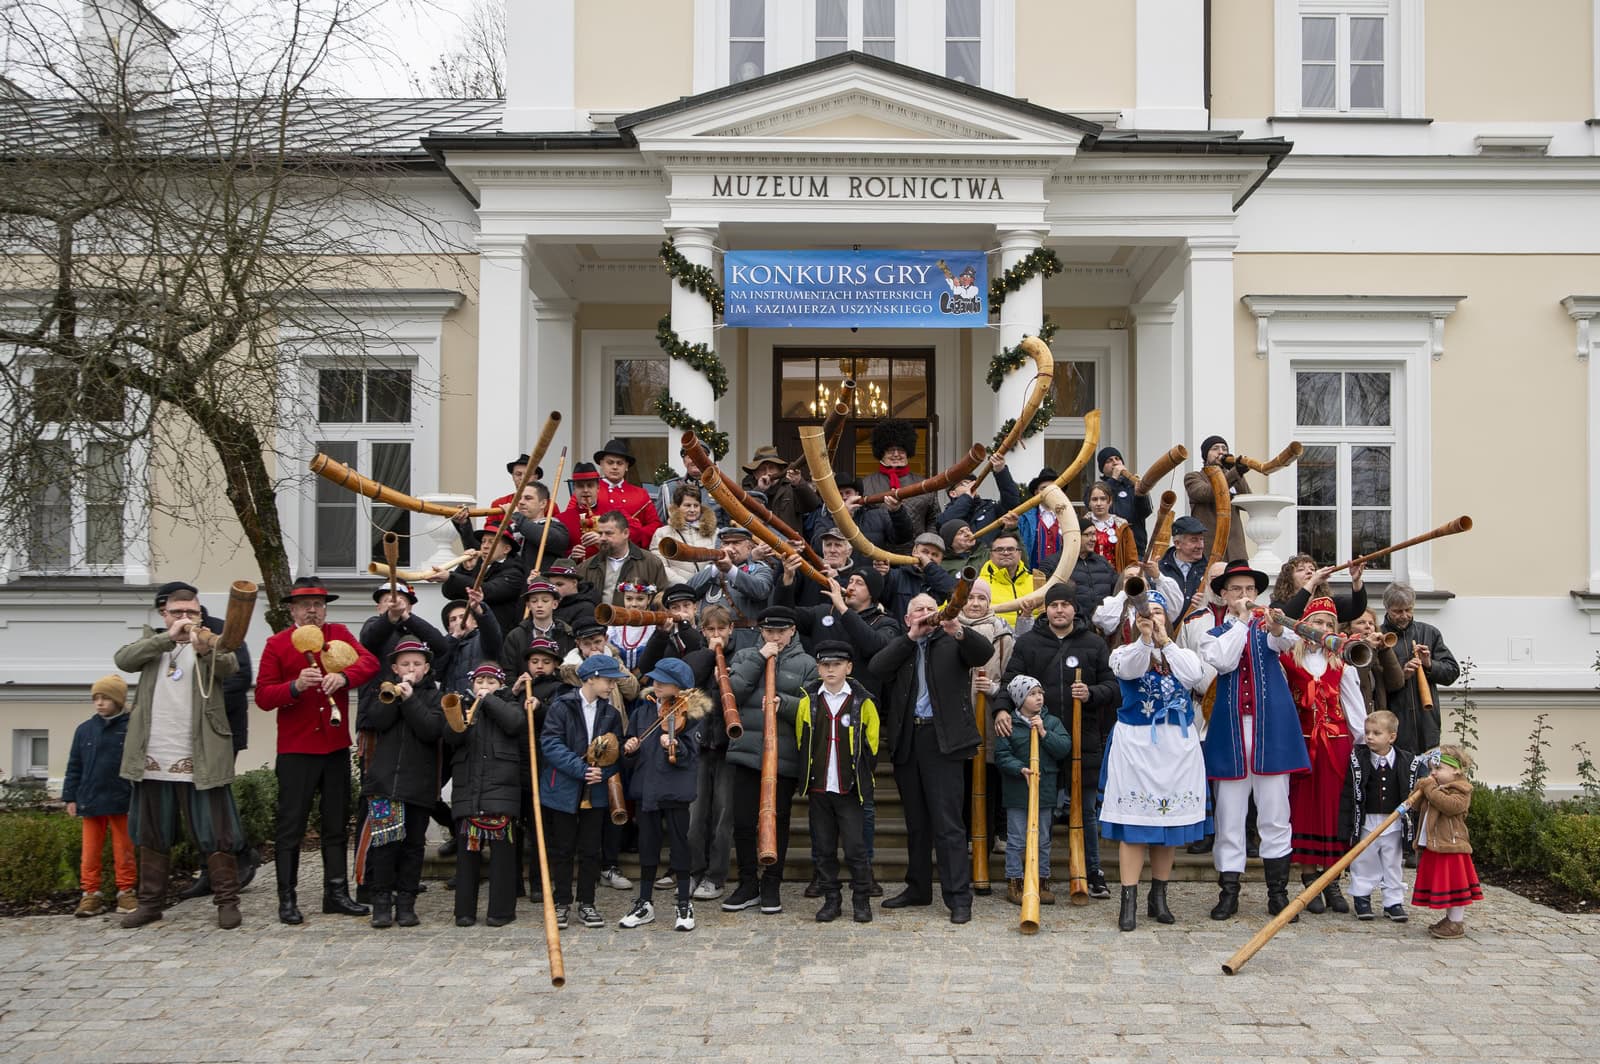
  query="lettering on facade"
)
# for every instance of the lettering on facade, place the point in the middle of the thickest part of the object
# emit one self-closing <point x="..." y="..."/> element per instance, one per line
<point x="854" y="186"/>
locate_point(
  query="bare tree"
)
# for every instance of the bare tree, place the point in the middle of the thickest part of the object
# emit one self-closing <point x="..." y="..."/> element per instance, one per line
<point x="475" y="68"/>
<point x="172" y="210"/>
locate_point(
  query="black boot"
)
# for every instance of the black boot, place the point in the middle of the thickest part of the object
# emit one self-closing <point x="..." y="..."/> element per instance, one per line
<point x="1276" y="872"/>
<point x="1228" y="900"/>
<point x="382" y="909"/>
<point x="1335" y="898"/>
<point x="1156" y="903"/>
<point x="199" y="888"/>
<point x="249" y="860"/>
<point x="831" y="908"/>
<point x="288" y="864"/>
<point x="1128" y="918"/>
<point x="814" y="888"/>
<point x="336" y="899"/>
<point x="405" y="909"/>
<point x="861" y="906"/>
<point x="1315" y="906"/>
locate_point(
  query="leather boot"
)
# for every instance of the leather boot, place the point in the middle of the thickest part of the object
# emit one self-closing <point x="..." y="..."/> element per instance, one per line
<point x="814" y="888"/>
<point x="405" y="909"/>
<point x="1014" y="891"/>
<point x="224" y="869"/>
<point x="831" y="908"/>
<point x="1276" y="872"/>
<point x="1228" y="899"/>
<point x="382" y="908"/>
<point x="1046" y="895"/>
<point x="199" y="888"/>
<point x="1156" y="904"/>
<point x="336" y="899"/>
<point x="1128" y="918"/>
<point x="1335" y="898"/>
<point x="861" y="906"/>
<point x="1315" y="906"/>
<point x="287" y="862"/>
<point x="154" y="867"/>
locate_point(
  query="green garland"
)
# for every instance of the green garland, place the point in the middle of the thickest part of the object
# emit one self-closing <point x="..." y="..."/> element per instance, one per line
<point x="1047" y="410"/>
<point x="1040" y="262"/>
<point x="1013" y="357"/>
<point x="698" y="279"/>
<point x="695" y="356"/>
<point x="664" y="472"/>
<point x="673" y="413"/>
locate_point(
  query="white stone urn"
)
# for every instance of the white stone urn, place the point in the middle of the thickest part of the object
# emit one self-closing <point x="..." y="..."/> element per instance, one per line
<point x="1264" y="526"/>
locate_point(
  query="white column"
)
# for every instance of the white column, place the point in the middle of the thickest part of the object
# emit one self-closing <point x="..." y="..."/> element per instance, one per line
<point x="1158" y="382"/>
<point x="1208" y="342"/>
<point x="552" y="384"/>
<point x="1583" y="311"/>
<point x="692" y="321"/>
<point x="541" y="79"/>
<point x="1020" y="315"/>
<point x="503" y="305"/>
<point x="1169" y="65"/>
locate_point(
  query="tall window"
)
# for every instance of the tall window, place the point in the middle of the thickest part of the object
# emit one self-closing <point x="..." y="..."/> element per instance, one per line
<point x="1345" y="490"/>
<point x="747" y="39"/>
<point x="1342" y="62"/>
<point x="365" y="420"/>
<point x="1362" y="58"/>
<point x="79" y="484"/>
<point x="865" y="25"/>
<point x="636" y="378"/>
<point x="963" y="41"/>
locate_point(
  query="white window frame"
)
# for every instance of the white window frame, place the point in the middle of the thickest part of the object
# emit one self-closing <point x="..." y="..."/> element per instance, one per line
<point x="855" y="21"/>
<point x="1404" y="52"/>
<point x="1108" y="350"/>
<point x="22" y="764"/>
<point x="1343" y="438"/>
<point x="410" y="323"/>
<point x="602" y="348"/>
<point x="1356" y="333"/>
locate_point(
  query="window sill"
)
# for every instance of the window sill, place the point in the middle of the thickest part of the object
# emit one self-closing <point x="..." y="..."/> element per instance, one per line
<point x="1391" y="120"/>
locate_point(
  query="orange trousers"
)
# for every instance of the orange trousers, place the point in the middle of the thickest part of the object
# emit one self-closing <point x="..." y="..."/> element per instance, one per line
<point x="94" y="845"/>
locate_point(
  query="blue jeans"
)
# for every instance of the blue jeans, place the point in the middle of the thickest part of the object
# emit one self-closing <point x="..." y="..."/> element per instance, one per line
<point x="1017" y="841"/>
<point x="1091" y="813"/>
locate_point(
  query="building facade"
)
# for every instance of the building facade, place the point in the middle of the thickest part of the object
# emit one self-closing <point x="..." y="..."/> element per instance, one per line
<point x="1366" y="225"/>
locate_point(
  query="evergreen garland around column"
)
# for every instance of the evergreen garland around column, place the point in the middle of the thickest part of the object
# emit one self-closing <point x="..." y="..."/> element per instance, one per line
<point x="702" y="281"/>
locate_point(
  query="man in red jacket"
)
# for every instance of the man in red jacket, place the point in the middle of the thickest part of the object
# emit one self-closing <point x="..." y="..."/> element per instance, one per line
<point x="616" y="493"/>
<point x="313" y="753"/>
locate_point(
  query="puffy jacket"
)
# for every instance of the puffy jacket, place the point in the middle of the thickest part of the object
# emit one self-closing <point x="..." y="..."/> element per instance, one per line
<point x="1007" y="585"/>
<point x="860" y="738"/>
<point x="381" y="635"/>
<point x="403" y="763"/>
<point x="1093" y="580"/>
<point x="578" y="606"/>
<point x="881" y="526"/>
<point x="486" y="759"/>
<point x="1011" y="757"/>
<point x="93" y="766"/>
<point x="655" y="781"/>
<point x="747" y="675"/>
<point x="1040" y="654"/>
<point x="467" y="652"/>
<point x="502" y="588"/>
<point x="949" y="665"/>
<point x="212" y="739"/>
<point x="562" y="743"/>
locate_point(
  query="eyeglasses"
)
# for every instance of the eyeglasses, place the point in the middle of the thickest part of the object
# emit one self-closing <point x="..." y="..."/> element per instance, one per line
<point x="183" y="614"/>
<point x="1004" y="550"/>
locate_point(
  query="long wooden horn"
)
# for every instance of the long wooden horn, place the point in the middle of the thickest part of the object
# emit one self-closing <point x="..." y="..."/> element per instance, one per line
<point x="1160" y="468"/>
<point x="500" y="526"/>
<point x="1163" y="535"/>
<point x="938" y="482"/>
<point x="815" y="448"/>
<point x="542" y="445"/>
<point x="338" y="473"/>
<point x="1039" y="351"/>
<point x="767" y="807"/>
<point x="731" y="721"/>
<point x="605" y="613"/>
<point x="413" y="575"/>
<point x="1283" y="458"/>
<point x="1222" y="507"/>
<point x="958" y="597"/>
<point x="709" y="473"/>
<point x="552" y="935"/>
<point x="1029" y="922"/>
<point x="676" y="550"/>
<point x="391" y="560"/>
<point x="241" y="605"/>
<point x="1091" y="442"/>
<point x="1067" y="520"/>
<point x="1449" y="528"/>
<point x="833" y="424"/>
<point x="712" y="480"/>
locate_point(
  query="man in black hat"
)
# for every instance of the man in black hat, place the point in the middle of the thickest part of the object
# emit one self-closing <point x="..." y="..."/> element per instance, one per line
<point x="735" y="580"/>
<point x="795" y="669"/>
<point x="516" y="467"/>
<point x="1126" y="502"/>
<point x="1202" y="502"/>
<point x="928" y="727"/>
<point x="616" y="493"/>
<point x="502" y="584"/>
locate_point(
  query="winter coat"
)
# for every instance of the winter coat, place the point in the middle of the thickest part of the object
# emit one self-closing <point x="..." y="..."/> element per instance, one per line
<point x="627" y="687"/>
<point x="1169" y="568"/>
<point x="1352" y="800"/>
<point x="680" y="572"/>
<point x="514" y="647"/>
<point x="403" y="760"/>
<point x="1197" y="484"/>
<point x="922" y="511"/>
<point x="303" y="726"/>
<point x="867" y="631"/>
<point x="466" y="652"/>
<point x="1040" y="654"/>
<point x="1132" y="507"/>
<point x="502" y="588"/>
<point x="1011" y="757"/>
<point x="1419" y="728"/>
<point x="906" y="582"/>
<point x="656" y="782"/>
<point x="1383" y="675"/>
<point x="1007" y="585"/>
<point x="563" y="741"/>
<point x="860" y="738"/>
<point x="212" y="749"/>
<point x="381" y="635"/>
<point x="789" y="503"/>
<point x="1442" y="815"/>
<point x="578" y="606"/>
<point x="93" y="767"/>
<point x="486" y="759"/>
<point x="881" y="526"/>
<point x="639" y="567"/>
<point x="1347" y="607"/>
<point x="948" y="667"/>
<point x="998" y="632"/>
<point x="747" y="672"/>
<point x="1094" y="580"/>
<point x="976" y="512"/>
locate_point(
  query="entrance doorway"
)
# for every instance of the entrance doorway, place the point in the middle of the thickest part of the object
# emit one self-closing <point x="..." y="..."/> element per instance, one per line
<point x="891" y="382"/>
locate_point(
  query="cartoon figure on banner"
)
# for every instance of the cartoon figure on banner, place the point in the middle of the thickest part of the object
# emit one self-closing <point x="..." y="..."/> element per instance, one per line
<point x="963" y="297"/>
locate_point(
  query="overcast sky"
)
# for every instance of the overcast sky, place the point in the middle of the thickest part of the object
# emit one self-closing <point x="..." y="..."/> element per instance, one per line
<point x="416" y="32"/>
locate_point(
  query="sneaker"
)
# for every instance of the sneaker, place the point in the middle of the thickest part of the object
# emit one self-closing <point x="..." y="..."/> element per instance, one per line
<point x="771" y="901"/>
<point x="90" y="905"/>
<point x="1363" y="907"/>
<point x="1097" y="885"/>
<point x="744" y="896"/>
<point x="127" y="901"/>
<point x="613" y="878"/>
<point x="685" y="920"/>
<point x="561" y="916"/>
<point x="705" y="890"/>
<point x="590" y="916"/>
<point x="668" y="880"/>
<point x="642" y="913"/>
<point x="1396" y="912"/>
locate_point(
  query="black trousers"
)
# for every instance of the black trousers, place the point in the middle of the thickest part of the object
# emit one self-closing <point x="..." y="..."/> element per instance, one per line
<point x="931" y="787"/>
<point x="397" y="867"/>
<point x="836" y="819"/>
<point x="747" y="811"/>
<point x="502" y="878"/>
<point x="669" y="824"/>
<point x="569" y="835"/>
<point x="302" y="777"/>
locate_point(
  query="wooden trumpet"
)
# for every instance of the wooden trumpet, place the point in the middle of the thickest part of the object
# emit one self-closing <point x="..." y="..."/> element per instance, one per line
<point x="391" y="560"/>
<point x="1163" y="534"/>
<point x="552" y="934"/>
<point x="1352" y="650"/>
<point x="1285" y="457"/>
<point x="1424" y="690"/>
<point x="815" y="448"/>
<point x="500" y="526"/>
<point x="236" y="623"/>
<point x="980" y="798"/>
<point x="1077" y="861"/>
<point x="1039" y="351"/>
<point x="1091" y="441"/>
<point x="411" y="576"/>
<point x="833" y="424"/>
<point x="450" y="703"/>
<point x="721" y="488"/>
<point x="767" y="814"/>
<point x="1449" y="528"/>
<point x="938" y="482"/>
<point x="605" y="613"/>
<point x="1232" y="965"/>
<point x="731" y="721"/>
<point x="550" y="510"/>
<point x="676" y="550"/>
<point x="388" y="692"/>
<point x="1160" y="468"/>
<point x="1030" y="861"/>
<point x="342" y="475"/>
<point x="958" y="597"/>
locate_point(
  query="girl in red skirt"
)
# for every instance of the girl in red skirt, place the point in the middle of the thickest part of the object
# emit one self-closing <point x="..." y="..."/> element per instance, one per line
<point x="1446" y="878"/>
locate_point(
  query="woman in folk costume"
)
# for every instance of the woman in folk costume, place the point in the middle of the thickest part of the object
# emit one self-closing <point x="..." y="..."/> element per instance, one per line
<point x="630" y="639"/>
<point x="1112" y="536"/>
<point x="1333" y="714"/>
<point x="690" y="522"/>
<point x="1153" y="775"/>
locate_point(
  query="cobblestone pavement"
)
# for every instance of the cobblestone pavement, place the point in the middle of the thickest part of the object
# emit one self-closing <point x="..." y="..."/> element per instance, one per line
<point x="1524" y="985"/>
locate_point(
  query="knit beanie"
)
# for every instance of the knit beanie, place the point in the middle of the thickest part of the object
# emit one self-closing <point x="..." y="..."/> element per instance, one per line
<point x="948" y="531"/>
<point x="113" y="687"/>
<point x="1106" y="453"/>
<point x="871" y="577"/>
<point x="1019" y="688"/>
<point x="1205" y="447"/>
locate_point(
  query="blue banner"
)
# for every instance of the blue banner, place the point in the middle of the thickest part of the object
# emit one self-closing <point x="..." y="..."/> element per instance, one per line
<point x="856" y="289"/>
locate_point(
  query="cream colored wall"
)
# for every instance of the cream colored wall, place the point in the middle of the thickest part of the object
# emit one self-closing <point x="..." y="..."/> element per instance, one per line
<point x="1508" y="389"/>
<point x="1076" y="55"/>
<point x="1242" y="58"/>
<point x="633" y="54"/>
<point x="1488" y="60"/>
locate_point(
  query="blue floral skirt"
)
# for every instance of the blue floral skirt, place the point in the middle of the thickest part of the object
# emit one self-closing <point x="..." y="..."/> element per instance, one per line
<point x="1153" y="786"/>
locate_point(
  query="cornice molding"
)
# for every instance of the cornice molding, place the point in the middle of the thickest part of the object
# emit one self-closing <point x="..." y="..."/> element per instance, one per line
<point x="1432" y="309"/>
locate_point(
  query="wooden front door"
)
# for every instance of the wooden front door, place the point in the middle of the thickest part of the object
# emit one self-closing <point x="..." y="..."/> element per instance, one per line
<point x="891" y="382"/>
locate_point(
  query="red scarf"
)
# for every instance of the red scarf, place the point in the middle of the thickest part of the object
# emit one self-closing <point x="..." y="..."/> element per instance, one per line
<point x="894" y="473"/>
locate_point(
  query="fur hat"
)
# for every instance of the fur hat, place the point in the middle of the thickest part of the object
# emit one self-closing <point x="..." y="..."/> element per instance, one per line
<point x="113" y="687"/>
<point x="894" y="432"/>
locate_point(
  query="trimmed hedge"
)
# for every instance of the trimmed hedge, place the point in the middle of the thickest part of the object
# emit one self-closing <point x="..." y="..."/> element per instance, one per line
<point x="1515" y="831"/>
<point x="39" y="856"/>
<point x="1574" y="841"/>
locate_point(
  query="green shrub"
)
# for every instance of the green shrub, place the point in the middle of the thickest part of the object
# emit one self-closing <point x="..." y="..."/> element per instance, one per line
<point x="38" y="855"/>
<point x="1573" y="841"/>
<point x="1508" y="826"/>
<point x="256" y="794"/>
